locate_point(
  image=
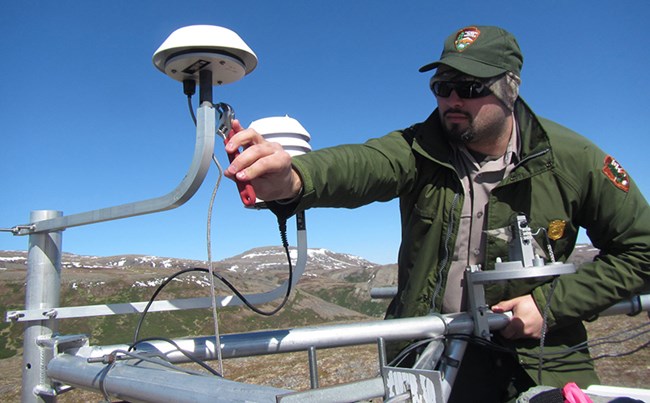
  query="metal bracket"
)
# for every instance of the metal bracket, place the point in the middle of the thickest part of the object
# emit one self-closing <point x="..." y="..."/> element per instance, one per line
<point x="203" y="151"/>
<point x="523" y="264"/>
<point x="50" y="347"/>
<point x="105" y="310"/>
<point x="59" y="344"/>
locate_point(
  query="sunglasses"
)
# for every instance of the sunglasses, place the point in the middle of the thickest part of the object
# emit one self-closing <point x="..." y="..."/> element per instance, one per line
<point x="464" y="89"/>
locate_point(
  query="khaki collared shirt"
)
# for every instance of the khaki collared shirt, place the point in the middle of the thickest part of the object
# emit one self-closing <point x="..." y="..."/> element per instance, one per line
<point x="478" y="179"/>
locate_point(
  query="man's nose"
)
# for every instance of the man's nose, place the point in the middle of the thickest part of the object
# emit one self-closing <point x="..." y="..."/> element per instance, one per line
<point x="451" y="101"/>
<point x="454" y="100"/>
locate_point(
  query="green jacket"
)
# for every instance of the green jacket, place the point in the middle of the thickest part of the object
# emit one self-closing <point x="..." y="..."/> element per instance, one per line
<point x="560" y="176"/>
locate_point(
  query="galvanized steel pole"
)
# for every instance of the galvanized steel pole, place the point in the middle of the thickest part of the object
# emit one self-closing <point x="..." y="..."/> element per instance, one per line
<point x="42" y="292"/>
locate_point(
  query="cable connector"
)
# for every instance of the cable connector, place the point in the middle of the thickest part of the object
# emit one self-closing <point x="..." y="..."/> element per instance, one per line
<point x="105" y="359"/>
<point x="189" y="87"/>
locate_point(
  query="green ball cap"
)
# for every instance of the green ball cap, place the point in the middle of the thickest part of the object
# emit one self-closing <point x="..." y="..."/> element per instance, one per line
<point x="480" y="51"/>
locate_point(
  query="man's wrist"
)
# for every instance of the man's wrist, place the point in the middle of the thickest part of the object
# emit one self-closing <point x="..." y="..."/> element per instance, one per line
<point x="293" y="199"/>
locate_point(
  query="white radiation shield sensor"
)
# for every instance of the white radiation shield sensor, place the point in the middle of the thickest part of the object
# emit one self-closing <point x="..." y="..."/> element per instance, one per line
<point x="190" y="49"/>
<point x="284" y="130"/>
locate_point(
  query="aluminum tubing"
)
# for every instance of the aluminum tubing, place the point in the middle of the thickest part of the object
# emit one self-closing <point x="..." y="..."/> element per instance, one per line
<point x="344" y="393"/>
<point x="302" y="339"/>
<point x="148" y="383"/>
<point x="633" y="306"/>
<point x="383" y="292"/>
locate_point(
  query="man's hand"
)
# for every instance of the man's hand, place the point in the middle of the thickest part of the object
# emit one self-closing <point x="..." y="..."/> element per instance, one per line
<point x="265" y="164"/>
<point x="526" y="321"/>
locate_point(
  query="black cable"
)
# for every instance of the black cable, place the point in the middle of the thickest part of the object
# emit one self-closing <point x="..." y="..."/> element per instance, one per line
<point x="189" y="103"/>
<point x="189" y="89"/>
<point x="601" y="356"/>
<point x="282" y="223"/>
<point x="548" y="356"/>
<point x="155" y="294"/>
<point x="185" y="353"/>
<point x="558" y="356"/>
<point x="470" y="338"/>
<point x="408" y="350"/>
<point x="612" y="338"/>
<point x="604" y="340"/>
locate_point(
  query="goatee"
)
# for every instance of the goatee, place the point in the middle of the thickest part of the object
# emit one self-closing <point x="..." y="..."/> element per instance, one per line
<point x="455" y="133"/>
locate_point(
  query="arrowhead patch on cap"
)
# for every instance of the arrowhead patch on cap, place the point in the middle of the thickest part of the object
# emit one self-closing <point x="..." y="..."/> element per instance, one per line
<point x="466" y="37"/>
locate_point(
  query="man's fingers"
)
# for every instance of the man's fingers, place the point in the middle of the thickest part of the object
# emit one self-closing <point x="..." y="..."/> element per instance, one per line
<point x="236" y="126"/>
<point x="503" y="306"/>
<point x="514" y="329"/>
<point x="259" y="160"/>
<point x="526" y="320"/>
<point x="242" y="138"/>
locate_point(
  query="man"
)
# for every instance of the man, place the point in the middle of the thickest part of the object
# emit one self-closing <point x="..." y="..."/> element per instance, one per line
<point x="461" y="176"/>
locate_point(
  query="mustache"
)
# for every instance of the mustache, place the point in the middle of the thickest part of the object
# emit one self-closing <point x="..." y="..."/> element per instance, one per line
<point x="456" y="111"/>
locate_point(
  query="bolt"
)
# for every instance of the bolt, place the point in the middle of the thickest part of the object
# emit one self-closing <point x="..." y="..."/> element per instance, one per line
<point x="15" y="315"/>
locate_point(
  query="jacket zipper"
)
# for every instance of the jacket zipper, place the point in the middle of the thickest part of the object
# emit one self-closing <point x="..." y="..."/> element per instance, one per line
<point x="445" y="258"/>
<point x="530" y="157"/>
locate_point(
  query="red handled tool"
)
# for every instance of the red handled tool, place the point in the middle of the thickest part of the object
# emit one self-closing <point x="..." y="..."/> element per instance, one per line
<point x="246" y="191"/>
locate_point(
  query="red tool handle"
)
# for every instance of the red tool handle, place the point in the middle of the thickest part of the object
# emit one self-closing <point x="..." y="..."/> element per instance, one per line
<point x="246" y="191"/>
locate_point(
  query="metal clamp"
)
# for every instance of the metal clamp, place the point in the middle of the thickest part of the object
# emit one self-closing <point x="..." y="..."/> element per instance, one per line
<point x="523" y="264"/>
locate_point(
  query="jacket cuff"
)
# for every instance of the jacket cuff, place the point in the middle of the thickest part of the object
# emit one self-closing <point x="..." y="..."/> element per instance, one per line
<point x="307" y="192"/>
<point x="285" y="208"/>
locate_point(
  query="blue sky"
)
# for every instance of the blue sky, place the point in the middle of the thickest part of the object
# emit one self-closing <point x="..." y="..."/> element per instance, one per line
<point x="88" y="122"/>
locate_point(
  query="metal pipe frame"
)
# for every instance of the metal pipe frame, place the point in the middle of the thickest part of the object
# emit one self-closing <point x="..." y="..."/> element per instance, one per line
<point x="203" y="150"/>
<point x="64" y="369"/>
<point x="144" y="382"/>
<point x="302" y="339"/>
<point x="73" y="367"/>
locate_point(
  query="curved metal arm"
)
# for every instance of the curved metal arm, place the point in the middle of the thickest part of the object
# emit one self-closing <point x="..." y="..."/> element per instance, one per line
<point x="203" y="150"/>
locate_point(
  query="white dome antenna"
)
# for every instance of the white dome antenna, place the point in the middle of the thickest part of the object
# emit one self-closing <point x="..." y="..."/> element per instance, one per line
<point x="207" y="54"/>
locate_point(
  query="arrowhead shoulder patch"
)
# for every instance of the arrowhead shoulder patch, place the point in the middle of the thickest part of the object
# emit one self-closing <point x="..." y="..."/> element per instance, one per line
<point x="616" y="174"/>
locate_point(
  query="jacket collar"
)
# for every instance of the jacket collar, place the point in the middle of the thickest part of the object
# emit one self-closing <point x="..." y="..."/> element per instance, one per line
<point x="430" y="142"/>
